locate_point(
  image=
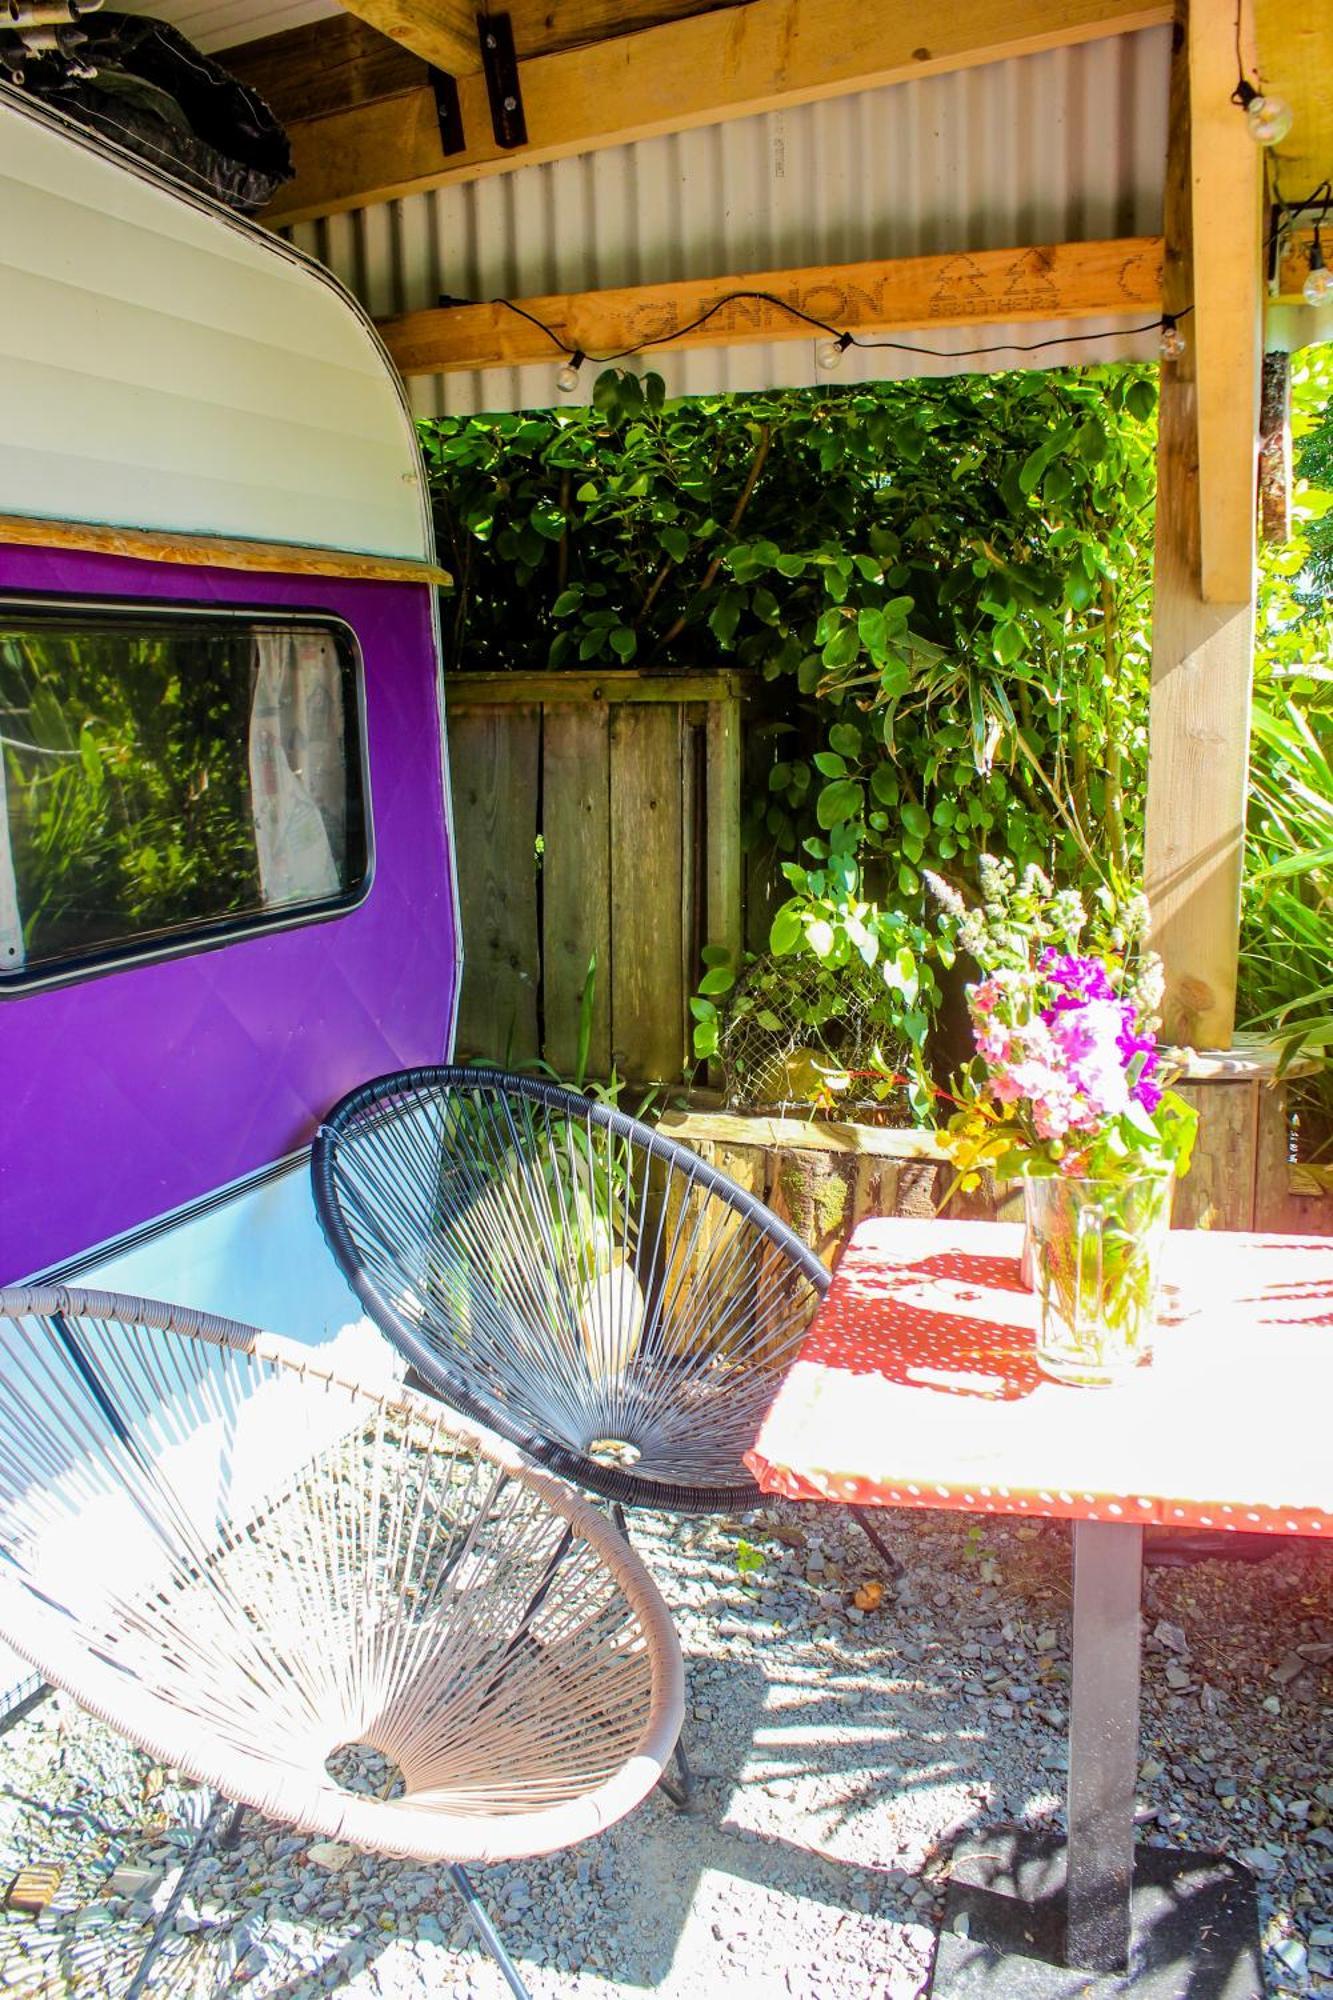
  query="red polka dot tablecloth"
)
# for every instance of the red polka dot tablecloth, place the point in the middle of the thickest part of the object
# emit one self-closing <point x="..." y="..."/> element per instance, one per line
<point x="917" y="1386"/>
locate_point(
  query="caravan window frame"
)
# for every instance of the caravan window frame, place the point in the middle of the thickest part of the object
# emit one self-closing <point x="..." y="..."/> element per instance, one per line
<point x="210" y="934"/>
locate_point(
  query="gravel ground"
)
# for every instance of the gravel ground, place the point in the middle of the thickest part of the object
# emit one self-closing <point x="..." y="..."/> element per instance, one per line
<point x="841" y="1752"/>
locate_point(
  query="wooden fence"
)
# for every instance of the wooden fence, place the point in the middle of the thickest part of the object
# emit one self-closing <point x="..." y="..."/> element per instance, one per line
<point x="597" y="815"/>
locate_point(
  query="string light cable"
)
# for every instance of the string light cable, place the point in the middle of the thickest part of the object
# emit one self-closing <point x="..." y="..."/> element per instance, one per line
<point x="836" y="340"/>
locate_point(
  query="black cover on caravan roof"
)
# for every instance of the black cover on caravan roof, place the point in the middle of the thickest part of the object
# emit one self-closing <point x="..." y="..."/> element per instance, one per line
<point x="152" y="92"/>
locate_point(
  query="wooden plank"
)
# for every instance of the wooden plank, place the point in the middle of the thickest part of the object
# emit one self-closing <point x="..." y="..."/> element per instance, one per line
<point x="576" y="876"/>
<point x="493" y="760"/>
<point x="331" y="65"/>
<point x="1218" y="1191"/>
<point x="1201" y="670"/>
<point x="215" y="551"/>
<point x="553" y="690"/>
<point x="328" y="66"/>
<point x="1048" y="282"/>
<point x="726" y="1128"/>
<point x="442" y="32"/>
<point x="1293" y="56"/>
<point x="1225" y="329"/>
<point x="675" y="76"/>
<point x="647" y="992"/>
<point x="723" y="904"/>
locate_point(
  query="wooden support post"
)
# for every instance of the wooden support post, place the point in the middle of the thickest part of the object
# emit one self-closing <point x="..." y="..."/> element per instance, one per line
<point x="1203" y="618"/>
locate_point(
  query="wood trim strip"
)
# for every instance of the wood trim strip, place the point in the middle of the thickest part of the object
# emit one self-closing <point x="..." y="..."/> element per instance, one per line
<point x="216" y="551"/>
<point x="464" y="692"/>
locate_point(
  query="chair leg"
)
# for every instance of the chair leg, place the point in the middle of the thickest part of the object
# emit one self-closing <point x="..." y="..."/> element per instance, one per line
<point x="168" y="1917"/>
<point x="877" y="1542"/>
<point x="487" y="1932"/>
<point x="680" y="1789"/>
<point x="233" y="1830"/>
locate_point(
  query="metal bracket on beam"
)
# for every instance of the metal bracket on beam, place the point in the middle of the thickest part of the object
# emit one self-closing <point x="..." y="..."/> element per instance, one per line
<point x="448" y="110"/>
<point x="500" y="64"/>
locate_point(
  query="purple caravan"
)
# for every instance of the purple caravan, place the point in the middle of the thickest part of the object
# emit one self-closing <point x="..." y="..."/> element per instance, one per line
<point x="226" y="888"/>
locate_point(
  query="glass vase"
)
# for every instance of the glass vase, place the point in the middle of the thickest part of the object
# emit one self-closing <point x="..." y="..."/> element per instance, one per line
<point x="1097" y="1250"/>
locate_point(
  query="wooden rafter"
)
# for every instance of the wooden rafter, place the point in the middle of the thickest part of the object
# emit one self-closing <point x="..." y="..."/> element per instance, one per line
<point x="683" y="73"/>
<point x="1052" y="282"/>
<point x="442" y="32"/>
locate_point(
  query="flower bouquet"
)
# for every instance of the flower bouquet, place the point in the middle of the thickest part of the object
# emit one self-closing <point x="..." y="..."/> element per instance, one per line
<point x="1067" y="1091"/>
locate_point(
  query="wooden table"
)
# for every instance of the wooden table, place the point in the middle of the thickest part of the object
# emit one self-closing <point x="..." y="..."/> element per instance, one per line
<point x="917" y="1386"/>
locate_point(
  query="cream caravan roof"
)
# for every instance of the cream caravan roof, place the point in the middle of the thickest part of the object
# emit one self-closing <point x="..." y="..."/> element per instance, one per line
<point x="170" y="367"/>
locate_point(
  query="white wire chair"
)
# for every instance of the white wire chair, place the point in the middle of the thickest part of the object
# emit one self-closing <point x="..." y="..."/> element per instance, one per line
<point x="252" y="1567"/>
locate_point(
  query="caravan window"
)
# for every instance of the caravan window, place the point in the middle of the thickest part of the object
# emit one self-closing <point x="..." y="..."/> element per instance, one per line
<point x="168" y="777"/>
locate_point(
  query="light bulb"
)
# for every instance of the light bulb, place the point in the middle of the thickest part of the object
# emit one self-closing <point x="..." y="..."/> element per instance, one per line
<point x="1268" y="117"/>
<point x="1318" y="287"/>
<point x="829" y="353"/>
<point x="1269" y="120"/>
<point x="1172" y="344"/>
<point x="568" y="377"/>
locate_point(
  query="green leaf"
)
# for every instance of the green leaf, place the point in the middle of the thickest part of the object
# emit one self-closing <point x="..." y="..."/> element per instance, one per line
<point x="1057" y="485"/>
<point x="675" y="541"/>
<point x="1141" y="400"/>
<point x="1090" y="441"/>
<point x="843" y="647"/>
<point x="884" y="785"/>
<point x="915" y="819"/>
<point x="829" y="764"/>
<point x="720" y="980"/>
<point x="1036" y="462"/>
<point x="1008" y="643"/>
<point x="548" y="521"/>
<point x="845" y="738"/>
<point x="839" y="801"/>
<point x="568" y="601"/>
<point x="725" y="616"/>
<point x="785" y="931"/>
<point x="819" y="937"/>
<point x="624" y="642"/>
<point x="872" y="629"/>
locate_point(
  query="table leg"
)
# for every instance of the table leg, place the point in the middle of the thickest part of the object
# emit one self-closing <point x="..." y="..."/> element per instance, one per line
<point x="1103" y="1742"/>
<point x="1029" y="1917"/>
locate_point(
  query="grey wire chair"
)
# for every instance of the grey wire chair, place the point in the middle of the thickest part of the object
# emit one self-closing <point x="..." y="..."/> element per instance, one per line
<point x="561" y="1272"/>
<point x="265" y="1575"/>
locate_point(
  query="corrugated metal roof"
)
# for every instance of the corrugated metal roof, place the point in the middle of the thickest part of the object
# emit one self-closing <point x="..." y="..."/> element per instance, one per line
<point x="222" y="24"/>
<point x="1042" y="149"/>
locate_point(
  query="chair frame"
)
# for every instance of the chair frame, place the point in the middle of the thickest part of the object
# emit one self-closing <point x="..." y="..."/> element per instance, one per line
<point x="610" y="1482"/>
<point x="376" y="1826"/>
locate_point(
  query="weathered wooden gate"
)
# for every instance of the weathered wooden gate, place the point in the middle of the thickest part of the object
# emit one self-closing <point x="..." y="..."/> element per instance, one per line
<point x="597" y="816"/>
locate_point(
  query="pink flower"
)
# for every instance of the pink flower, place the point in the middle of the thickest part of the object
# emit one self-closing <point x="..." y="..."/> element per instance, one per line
<point x="1088" y="1038"/>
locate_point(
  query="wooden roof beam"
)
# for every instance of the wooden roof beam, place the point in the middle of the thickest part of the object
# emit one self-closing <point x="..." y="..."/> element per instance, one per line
<point x="1052" y="282"/>
<point x="442" y="32"/>
<point x="726" y="63"/>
